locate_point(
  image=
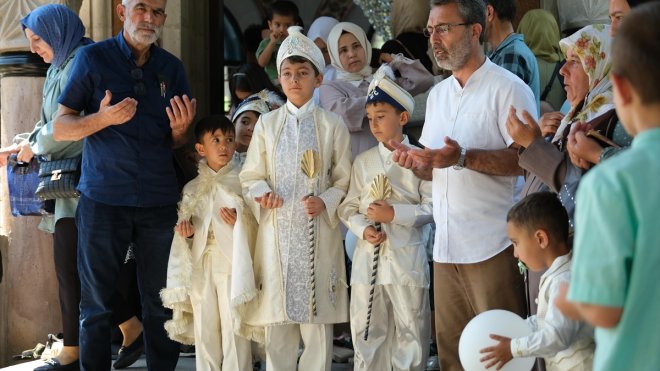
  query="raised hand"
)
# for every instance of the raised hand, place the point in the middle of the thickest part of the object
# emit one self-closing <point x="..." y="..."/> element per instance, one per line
<point x="549" y="123"/>
<point x="582" y="151"/>
<point x="181" y="114"/>
<point x="522" y="133"/>
<point x="426" y="159"/>
<point x="119" y="113"/>
<point x="270" y="200"/>
<point x="402" y="155"/>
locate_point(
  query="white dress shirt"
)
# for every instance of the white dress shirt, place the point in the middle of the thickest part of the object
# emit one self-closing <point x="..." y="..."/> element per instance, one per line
<point x="469" y="207"/>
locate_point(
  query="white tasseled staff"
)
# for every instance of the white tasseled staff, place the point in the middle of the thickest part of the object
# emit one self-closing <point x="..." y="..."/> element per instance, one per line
<point x="381" y="189"/>
<point x="311" y="166"/>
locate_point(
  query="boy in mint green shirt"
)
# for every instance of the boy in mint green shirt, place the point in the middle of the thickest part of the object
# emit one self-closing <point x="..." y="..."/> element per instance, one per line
<point x="617" y="249"/>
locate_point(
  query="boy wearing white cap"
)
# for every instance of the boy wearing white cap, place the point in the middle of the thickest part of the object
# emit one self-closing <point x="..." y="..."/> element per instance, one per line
<point x="299" y="258"/>
<point x="246" y="116"/>
<point x="399" y="324"/>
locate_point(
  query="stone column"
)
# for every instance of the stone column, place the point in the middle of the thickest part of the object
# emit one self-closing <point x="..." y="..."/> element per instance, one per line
<point x="29" y="304"/>
<point x="186" y="36"/>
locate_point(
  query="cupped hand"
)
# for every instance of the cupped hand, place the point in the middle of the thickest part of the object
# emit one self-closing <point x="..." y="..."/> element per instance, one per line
<point x="522" y="133"/>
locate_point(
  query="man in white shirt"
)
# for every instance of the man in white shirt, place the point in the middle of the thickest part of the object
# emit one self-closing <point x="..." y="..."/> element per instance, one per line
<point x="473" y="164"/>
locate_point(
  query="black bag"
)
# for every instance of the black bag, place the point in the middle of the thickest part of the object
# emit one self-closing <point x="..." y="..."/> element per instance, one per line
<point x="59" y="178"/>
<point x="22" y="179"/>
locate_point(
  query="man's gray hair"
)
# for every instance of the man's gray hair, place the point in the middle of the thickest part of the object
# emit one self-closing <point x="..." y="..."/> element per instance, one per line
<point x="125" y="2"/>
<point x="472" y="11"/>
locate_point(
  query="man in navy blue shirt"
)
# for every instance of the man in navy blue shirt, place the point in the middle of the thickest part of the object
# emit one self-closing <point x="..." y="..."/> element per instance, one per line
<point x="134" y="96"/>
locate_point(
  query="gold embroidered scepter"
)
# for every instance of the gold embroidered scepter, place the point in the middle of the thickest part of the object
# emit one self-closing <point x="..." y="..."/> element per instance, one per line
<point x="381" y="189"/>
<point x="311" y="166"/>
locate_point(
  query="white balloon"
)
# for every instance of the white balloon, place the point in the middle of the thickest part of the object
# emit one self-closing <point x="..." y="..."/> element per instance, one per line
<point x="476" y="336"/>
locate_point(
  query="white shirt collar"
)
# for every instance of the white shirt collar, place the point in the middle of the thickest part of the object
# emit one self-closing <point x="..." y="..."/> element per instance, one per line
<point x="299" y="112"/>
<point x="558" y="263"/>
<point x="476" y="75"/>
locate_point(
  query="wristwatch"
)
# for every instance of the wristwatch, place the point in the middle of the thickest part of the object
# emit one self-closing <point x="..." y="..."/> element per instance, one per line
<point x="461" y="160"/>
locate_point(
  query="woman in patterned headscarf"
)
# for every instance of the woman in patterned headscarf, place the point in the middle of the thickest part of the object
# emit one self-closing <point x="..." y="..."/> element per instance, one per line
<point x="561" y="164"/>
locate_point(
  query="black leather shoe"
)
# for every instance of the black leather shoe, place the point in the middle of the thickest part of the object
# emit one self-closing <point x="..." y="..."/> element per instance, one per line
<point x="54" y="365"/>
<point x="128" y="355"/>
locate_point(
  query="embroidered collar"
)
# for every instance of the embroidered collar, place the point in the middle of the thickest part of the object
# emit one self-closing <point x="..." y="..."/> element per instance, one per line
<point x="302" y="111"/>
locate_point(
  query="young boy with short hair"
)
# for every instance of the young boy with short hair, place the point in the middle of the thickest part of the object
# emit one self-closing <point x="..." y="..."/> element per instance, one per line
<point x="399" y="326"/>
<point x="283" y="14"/>
<point x="538" y="229"/>
<point x="302" y="288"/>
<point x="210" y="276"/>
<point x="615" y="271"/>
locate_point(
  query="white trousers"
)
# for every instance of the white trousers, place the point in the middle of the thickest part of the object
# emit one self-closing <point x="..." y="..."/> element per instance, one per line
<point x="399" y="331"/>
<point x="283" y="342"/>
<point x="216" y="346"/>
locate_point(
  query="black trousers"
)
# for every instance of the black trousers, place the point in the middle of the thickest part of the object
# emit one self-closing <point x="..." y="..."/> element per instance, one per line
<point x="65" y="243"/>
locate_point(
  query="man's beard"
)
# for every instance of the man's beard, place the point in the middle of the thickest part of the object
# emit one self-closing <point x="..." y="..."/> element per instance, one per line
<point x="141" y="37"/>
<point x="457" y="56"/>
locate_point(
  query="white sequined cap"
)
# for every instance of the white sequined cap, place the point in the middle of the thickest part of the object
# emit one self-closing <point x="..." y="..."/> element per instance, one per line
<point x="261" y="102"/>
<point x="300" y="45"/>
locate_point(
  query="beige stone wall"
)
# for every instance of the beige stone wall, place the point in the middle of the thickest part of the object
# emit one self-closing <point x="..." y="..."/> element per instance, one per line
<point x="97" y="18"/>
<point x="11" y="11"/>
<point x="28" y="292"/>
<point x="186" y="36"/>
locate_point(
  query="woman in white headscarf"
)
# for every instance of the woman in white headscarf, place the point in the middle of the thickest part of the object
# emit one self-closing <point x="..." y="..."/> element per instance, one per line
<point x="350" y="53"/>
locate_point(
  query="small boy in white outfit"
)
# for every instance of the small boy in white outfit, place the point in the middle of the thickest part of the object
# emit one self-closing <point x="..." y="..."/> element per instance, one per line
<point x="538" y="229"/>
<point x="210" y="276"/>
<point x="399" y="327"/>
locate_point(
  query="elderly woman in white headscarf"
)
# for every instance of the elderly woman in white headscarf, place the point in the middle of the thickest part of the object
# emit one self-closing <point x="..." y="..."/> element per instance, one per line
<point x="350" y="53"/>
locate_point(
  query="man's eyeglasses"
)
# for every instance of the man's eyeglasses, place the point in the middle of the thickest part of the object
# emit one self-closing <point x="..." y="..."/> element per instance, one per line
<point x="441" y="29"/>
<point x="139" y="88"/>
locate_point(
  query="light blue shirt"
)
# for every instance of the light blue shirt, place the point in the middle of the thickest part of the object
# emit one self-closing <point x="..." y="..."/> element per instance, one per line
<point x="617" y="253"/>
